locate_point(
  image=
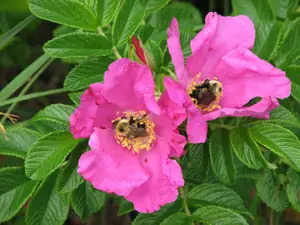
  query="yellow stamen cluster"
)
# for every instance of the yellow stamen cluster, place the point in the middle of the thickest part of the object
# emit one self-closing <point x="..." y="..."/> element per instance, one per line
<point x="204" y="108"/>
<point x="132" y="140"/>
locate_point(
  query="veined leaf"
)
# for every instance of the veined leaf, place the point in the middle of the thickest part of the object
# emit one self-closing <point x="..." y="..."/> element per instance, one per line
<point x="106" y="11"/>
<point x="216" y="194"/>
<point x="18" y="142"/>
<point x="48" y="153"/>
<point x="257" y="10"/>
<point x="75" y="97"/>
<point x="86" y="200"/>
<point x="289" y="50"/>
<point x="15" y="189"/>
<point x="178" y="219"/>
<point x="69" y="179"/>
<point x="125" y="207"/>
<point x="57" y="113"/>
<point x="86" y="73"/>
<point x="246" y="148"/>
<point x="272" y="192"/>
<point x="279" y="140"/>
<point x="215" y="215"/>
<point x="127" y="21"/>
<point x="78" y="44"/>
<point x="153" y="5"/>
<point x="267" y="38"/>
<point x="283" y="8"/>
<point x="293" y="189"/>
<point x="222" y="157"/>
<point x="159" y="216"/>
<point x="48" y="207"/>
<point x="67" y="12"/>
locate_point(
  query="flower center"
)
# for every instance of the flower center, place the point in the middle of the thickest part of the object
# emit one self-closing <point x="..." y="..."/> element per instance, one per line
<point x="206" y="95"/>
<point x="134" y="131"/>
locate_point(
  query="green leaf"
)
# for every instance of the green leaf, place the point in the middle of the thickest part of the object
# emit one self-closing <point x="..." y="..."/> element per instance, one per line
<point x="57" y="113"/>
<point x="289" y="50"/>
<point x="158" y="216"/>
<point x="153" y="5"/>
<point x="67" y="12"/>
<point x="178" y="219"/>
<point x="283" y="8"/>
<point x="48" y="207"/>
<point x="86" y="73"/>
<point x="246" y="148"/>
<point x="216" y="194"/>
<point x="272" y="192"/>
<point x="156" y="54"/>
<point x="284" y="117"/>
<point x="106" y="11"/>
<point x="129" y="17"/>
<point x="296" y="91"/>
<point x="293" y="189"/>
<point x="75" y="97"/>
<point x="222" y="157"/>
<point x="216" y="215"/>
<point x="15" y="189"/>
<point x="257" y="10"/>
<point x="86" y="200"/>
<point x="267" y="38"/>
<point x="23" y="77"/>
<point x="188" y="16"/>
<point x="9" y="35"/>
<point x="293" y="73"/>
<point x="18" y="142"/>
<point x="279" y="140"/>
<point x="78" y="44"/>
<point x="69" y="179"/>
<point x="125" y="207"/>
<point x="47" y="153"/>
<point x="14" y="6"/>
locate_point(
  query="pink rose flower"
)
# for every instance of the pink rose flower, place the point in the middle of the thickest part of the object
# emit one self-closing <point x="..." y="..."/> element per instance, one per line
<point x="222" y="75"/>
<point x="131" y="138"/>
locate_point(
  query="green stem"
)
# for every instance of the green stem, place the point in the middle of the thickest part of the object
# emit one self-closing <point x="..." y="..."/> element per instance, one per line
<point x="32" y="96"/>
<point x="116" y="52"/>
<point x="26" y="88"/>
<point x="185" y="205"/>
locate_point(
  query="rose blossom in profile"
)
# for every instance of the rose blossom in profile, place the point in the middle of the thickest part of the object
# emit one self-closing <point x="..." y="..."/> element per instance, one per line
<point x="222" y="75"/>
<point x="131" y="138"/>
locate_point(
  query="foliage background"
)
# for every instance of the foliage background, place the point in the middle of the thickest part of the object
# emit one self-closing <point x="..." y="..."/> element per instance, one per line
<point x="257" y="181"/>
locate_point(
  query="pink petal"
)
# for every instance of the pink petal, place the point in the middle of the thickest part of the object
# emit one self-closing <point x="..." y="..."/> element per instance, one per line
<point x="175" y="51"/>
<point x="175" y="91"/>
<point x="196" y="126"/>
<point x="130" y="86"/>
<point x="244" y="76"/>
<point x="164" y="178"/>
<point x="110" y="167"/>
<point x="258" y="110"/>
<point x="82" y="120"/>
<point x="219" y="36"/>
<point x="177" y="144"/>
<point x="175" y="111"/>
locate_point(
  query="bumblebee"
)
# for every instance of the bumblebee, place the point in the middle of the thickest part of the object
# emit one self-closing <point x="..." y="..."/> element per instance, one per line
<point x="206" y="93"/>
<point x="131" y="127"/>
